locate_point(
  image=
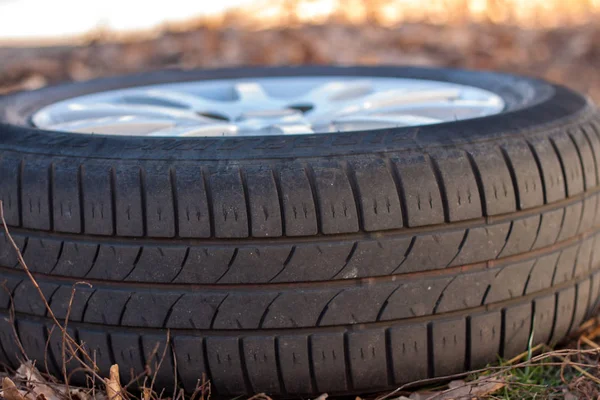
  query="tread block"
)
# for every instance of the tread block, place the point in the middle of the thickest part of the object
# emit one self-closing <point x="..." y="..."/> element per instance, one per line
<point x="485" y="333"/>
<point x="157" y="264"/>
<point x="263" y="200"/>
<point x="336" y="203"/>
<point x="295" y="364"/>
<point x="584" y="258"/>
<point x="588" y="215"/>
<point x="482" y="244"/>
<point x="378" y="196"/>
<point x="408" y="301"/>
<point x="510" y="281"/>
<point x="261" y="364"/>
<point x="97" y="345"/>
<point x="9" y="345"/>
<point x="461" y="194"/>
<point x="420" y="191"/>
<point x="229" y="203"/>
<point x="7" y="288"/>
<point x="591" y="135"/>
<point x="159" y="302"/>
<point x="551" y="225"/>
<point x="36" y="195"/>
<point x="243" y="310"/>
<point x="432" y="251"/>
<point x="105" y="306"/>
<point x="540" y="276"/>
<point x="409" y="353"/>
<point x="8" y="254"/>
<point x="498" y="190"/>
<point x="572" y="220"/>
<point x="27" y="300"/>
<point x="205" y="264"/>
<point x="195" y="310"/>
<point x="585" y="151"/>
<point x="349" y="305"/>
<point x="581" y="304"/>
<point x="10" y="171"/>
<point x="129" y="202"/>
<point x="76" y="259"/>
<point x="550" y="169"/>
<point x="114" y="262"/>
<point x="565" y="265"/>
<point x="299" y="209"/>
<point x="97" y="182"/>
<point x="256" y="264"/>
<point x="367" y="357"/>
<point x="448" y="340"/>
<point x="62" y="298"/>
<point x="159" y="201"/>
<point x="192" y="203"/>
<point x="570" y="162"/>
<point x="33" y="339"/>
<point x="315" y="262"/>
<point x="525" y="172"/>
<point x="281" y="312"/>
<point x="465" y="291"/>
<point x="521" y="238"/>
<point x="565" y="309"/>
<point x="517" y="326"/>
<point x="225" y="364"/>
<point x="55" y="351"/>
<point x="65" y="201"/>
<point x="41" y="255"/>
<point x="158" y="356"/>
<point x="543" y="318"/>
<point x="189" y="352"/>
<point x="127" y="351"/>
<point x="329" y="362"/>
<point x="375" y="258"/>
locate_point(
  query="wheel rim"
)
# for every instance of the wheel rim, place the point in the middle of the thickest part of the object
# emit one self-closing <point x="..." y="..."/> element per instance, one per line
<point x="268" y="106"/>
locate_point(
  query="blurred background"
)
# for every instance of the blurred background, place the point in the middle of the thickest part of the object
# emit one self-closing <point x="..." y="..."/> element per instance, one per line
<point x="48" y="41"/>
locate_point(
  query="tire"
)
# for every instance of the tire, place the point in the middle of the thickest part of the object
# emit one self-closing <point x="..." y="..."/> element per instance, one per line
<point x="267" y="262"/>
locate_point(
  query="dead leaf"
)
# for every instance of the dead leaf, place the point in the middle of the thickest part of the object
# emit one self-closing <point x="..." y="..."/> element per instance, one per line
<point x="462" y="390"/>
<point x="113" y="384"/>
<point x="10" y="391"/>
<point x="36" y="382"/>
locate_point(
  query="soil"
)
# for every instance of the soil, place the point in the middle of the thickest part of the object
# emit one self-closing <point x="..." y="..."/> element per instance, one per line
<point x="569" y="55"/>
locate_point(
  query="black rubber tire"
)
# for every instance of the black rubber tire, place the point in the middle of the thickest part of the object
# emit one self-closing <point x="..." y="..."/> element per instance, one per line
<point x="304" y="264"/>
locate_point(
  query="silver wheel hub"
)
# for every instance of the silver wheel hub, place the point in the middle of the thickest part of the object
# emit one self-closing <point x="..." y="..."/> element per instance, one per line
<point x="268" y="106"/>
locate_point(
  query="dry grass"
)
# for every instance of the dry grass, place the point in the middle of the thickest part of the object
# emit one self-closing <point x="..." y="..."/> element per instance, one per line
<point x="263" y="14"/>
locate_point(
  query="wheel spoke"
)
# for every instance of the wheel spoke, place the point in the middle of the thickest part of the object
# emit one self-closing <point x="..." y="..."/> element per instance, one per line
<point x="388" y="101"/>
<point x="215" y="130"/>
<point x="81" y="111"/>
<point x="337" y="91"/>
<point x="116" y="125"/>
<point x="254" y="95"/>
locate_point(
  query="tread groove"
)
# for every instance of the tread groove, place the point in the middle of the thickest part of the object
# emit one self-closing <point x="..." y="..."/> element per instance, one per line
<point x="144" y="195"/>
<point x="80" y="174"/>
<point x="536" y="157"/>
<point x="113" y="199"/>
<point x="513" y="176"/>
<point x="174" y="197"/>
<point x="441" y="187"/>
<point x="479" y="181"/>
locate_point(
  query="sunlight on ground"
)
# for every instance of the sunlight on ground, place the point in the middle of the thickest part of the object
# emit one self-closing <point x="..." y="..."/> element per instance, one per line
<point x="35" y="19"/>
